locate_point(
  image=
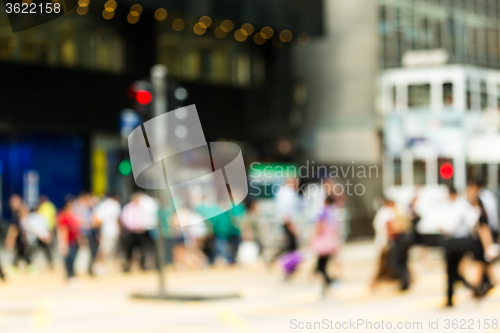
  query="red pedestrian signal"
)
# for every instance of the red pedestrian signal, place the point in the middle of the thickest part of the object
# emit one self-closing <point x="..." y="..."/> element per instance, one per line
<point x="143" y="97"/>
<point x="446" y="170"/>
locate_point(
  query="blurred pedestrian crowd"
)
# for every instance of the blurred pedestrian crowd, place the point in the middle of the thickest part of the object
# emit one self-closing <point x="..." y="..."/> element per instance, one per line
<point x="469" y="229"/>
<point x="126" y="237"/>
<point x="145" y="233"/>
<point x="114" y="233"/>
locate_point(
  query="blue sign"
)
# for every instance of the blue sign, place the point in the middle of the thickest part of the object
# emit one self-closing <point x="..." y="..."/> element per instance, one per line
<point x="129" y="119"/>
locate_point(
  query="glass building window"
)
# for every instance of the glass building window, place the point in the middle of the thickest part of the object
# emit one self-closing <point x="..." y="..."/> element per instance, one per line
<point x="447" y="94"/>
<point x="419" y="95"/>
<point x="191" y="65"/>
<point x="242" y="70"/>
<point x="220" y="61"/>
<point x="467" y="29"/>
<point x="258" y="70"/>
<point x="59" y="43"/>
<point x="219" y="67"/>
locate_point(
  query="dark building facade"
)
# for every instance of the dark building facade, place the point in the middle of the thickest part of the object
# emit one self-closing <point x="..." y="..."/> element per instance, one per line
<point x="64" y="83"/>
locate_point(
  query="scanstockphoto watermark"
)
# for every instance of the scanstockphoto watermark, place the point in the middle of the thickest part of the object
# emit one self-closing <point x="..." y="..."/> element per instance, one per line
<point x="451" y="325"/>
<point x="272" y="179"/>
<point x="357" y="324"/>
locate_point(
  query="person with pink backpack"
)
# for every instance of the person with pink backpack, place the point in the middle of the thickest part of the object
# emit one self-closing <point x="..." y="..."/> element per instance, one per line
<point x="326" y="240"/>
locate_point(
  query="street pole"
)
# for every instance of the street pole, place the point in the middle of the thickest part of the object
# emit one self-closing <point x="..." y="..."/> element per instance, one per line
<point x="159" y="80"/>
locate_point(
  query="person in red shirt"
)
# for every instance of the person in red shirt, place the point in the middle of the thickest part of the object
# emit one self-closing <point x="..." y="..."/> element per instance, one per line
<point x="68" y="232"/>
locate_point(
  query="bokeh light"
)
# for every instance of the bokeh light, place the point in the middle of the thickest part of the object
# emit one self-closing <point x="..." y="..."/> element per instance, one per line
<point x="178" y="24"/>
<point x="133" y="19"/>
<point x="268" y="32"/>
<point x="82" y="10"/>
<point x="108" y="15"/>
<point x="207" y="21"/>
<point x="161" y="14"/>
<point x="110" y="5"/>
<point x="247" y="29"/>
<point x="259" y="38"/>
<point x="227" y="25"/>
<point x="239" y="35"/>
<point x="199" y="28"/>
<point x="136" y="10"/>
<point x="286" y="36"/>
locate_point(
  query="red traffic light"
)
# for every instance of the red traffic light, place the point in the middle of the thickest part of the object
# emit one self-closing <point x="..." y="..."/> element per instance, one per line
<point x="143" y="97"/>
<point x="446" y="170"/>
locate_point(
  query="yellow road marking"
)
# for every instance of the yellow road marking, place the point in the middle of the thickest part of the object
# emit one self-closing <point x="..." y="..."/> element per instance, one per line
<point x="234" y="321"/>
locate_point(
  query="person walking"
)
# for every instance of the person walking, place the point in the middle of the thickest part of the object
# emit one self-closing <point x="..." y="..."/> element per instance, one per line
<point x="252" y="229"/>
<point x="68" y="233"/>
<point x="135" y="231"/>
<point x="484" y="246"/>
<point x="107" y="215"/>
<point x="37" y="234"/>
<point x="16" y="238"/>
<point x="219" y="230"/>
<point x="83" y="209"/>
<point x="151" y="209"/>
<point x="48" y="211"/>
<point x="237" y="214"/>
<point x="326" y="240"/>
<point x="457" y="228"/>
<point x="399" y="243"/>
<point x="384" y="215"/>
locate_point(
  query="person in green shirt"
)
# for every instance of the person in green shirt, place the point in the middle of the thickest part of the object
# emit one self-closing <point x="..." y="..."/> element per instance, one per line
<point x="165" y="215"/>
<point x="237" y="215"/>
<point x="221" y="227"/>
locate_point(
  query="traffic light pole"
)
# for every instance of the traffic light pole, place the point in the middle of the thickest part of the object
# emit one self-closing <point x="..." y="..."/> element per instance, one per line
<point x="159" y="80"/>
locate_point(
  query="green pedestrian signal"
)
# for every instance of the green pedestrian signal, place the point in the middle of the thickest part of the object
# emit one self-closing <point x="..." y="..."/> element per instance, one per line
<point x="125" y="167"/>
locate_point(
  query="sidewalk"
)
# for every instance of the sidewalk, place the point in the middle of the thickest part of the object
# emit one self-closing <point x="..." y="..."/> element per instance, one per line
<point x="267" y="304"/>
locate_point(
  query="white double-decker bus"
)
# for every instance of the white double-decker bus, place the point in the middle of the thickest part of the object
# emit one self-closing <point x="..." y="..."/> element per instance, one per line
<point x="441" y="127"/>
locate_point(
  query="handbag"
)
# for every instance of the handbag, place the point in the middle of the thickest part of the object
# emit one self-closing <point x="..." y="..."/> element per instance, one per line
<point x="290" y="261"/>
<point x="326" y="240"/>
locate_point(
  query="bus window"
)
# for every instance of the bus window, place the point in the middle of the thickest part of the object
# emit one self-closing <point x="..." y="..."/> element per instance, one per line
<point x="498" y="97"/>
<point x="468" y="96"/>
<point x="393" y="96"/>
<point x="419" y="95"/>
<point x="477" y="172"/>
<point x="419" y="176"/>
<point x="398" y="179"/>
<point x="448" y="94"/>
<point x="484" y="96"/>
